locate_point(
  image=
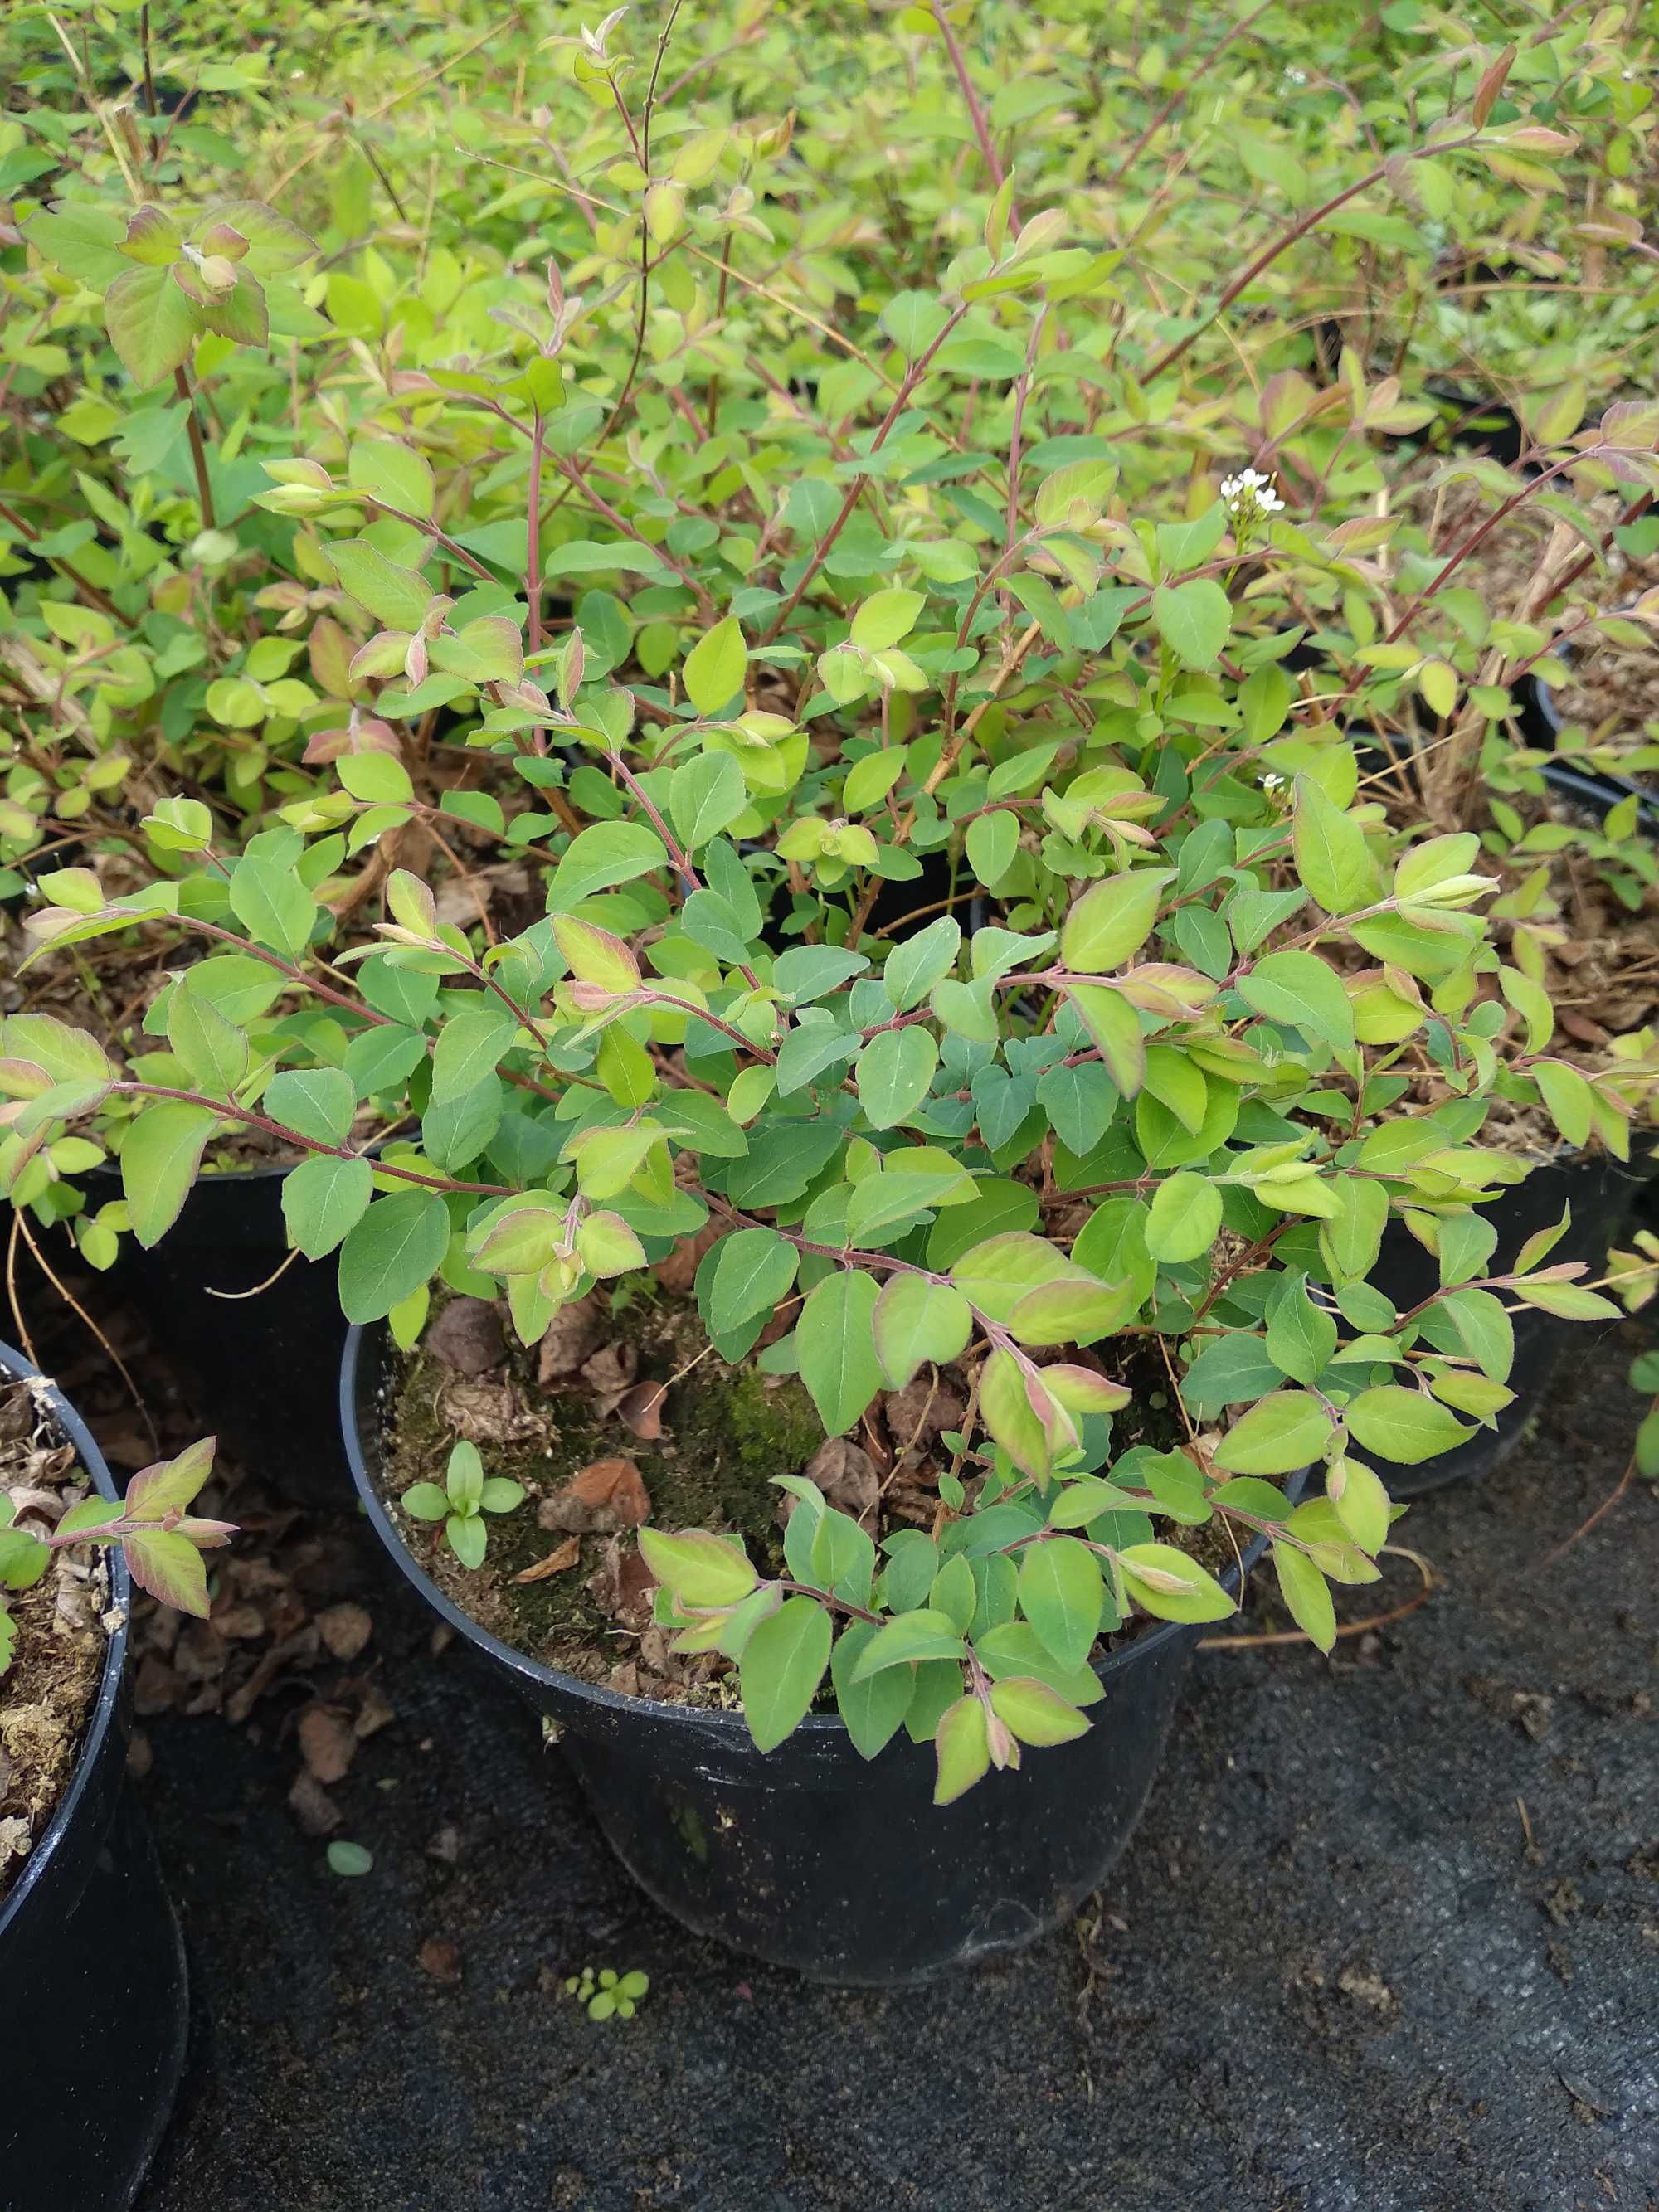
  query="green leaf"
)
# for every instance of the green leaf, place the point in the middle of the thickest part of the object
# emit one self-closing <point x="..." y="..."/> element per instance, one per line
<point x="698" y="1568"/>
<point x="894" y="1073"/>
<point x="215" y="1051"/>
<point x="992" y="843"/>
<point x="159" y="1156"/>
<point x="393" y="474"/>
<point x="1185" y="1218"/>
<point x="1059" y="1594"/>
<point x="1361" y="1503"/>
<point x="350" y="1861"/>
<point x="1278" y="1435"/>
<point x="169" y="1566"/>
<point x="961" y="1741"/>
<point x="1114" y="1025"/>
<point x="783" y="1664"/>
<point x="606" y="854"/>
<point x="468" y="1539"/>
<point x="1332" y="860"/>
<point x="398" y="1246"/>
<point x="1400" y="1424"/>
<point x="1569" y="1098"/>
<point x="152" y="324"/>
<point x="1306" y="1594"/>
<point x="271" y="903"/>
<point x="915" y="1321"/>
<point x="885" y="617"/>
<point x="318" y="1102"/>
<point x="395" y="596"/>
<point x="872" y="1709"/>
<point x="1035" y="1713"/>
<point x="323" y="1198"/>
<point x="835" y="1345"/>
<point x="1351" y="1238"/>
<point x="23" y="1559"/>
<point x="1170" y="1586"/>
<point x="754" y="1268"/>
<point x="1301" y="1335"/>
<point x="714" y="668"/>
<point x="1300" y="990"/>
<point x="1194" y="619"/>
<point x="586" y="557"/>
<point x="914" y="967"/>
<point x="998" y="1207"/>
<point x="1112" y="919"/>
<point x="909" y="1638"/>
<point x="704" y="796"/>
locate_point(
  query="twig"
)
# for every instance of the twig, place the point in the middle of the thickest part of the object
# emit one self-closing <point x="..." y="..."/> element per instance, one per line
<point x="1431" y="1582"/>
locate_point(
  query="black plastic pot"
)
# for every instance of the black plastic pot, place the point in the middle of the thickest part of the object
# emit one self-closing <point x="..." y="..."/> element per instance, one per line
<point x="1601" y="1192"/>
<point x="92" y="2048"/>
<point x="261" y="1371"/>
<point x="810" y="1855"/>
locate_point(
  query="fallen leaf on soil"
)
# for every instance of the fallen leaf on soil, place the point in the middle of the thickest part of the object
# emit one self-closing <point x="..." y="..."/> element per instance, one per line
<point x="157" y="1688"/>
<point x="241" y="1623"/>
<point x="488" y="1412"/>
<point x="312" y="1807"/>
<point x="571" y="1335"/>
<point x="679" y="1270"/>
<point x="917" y="1415"/>
<point x="554" y="1563"/>
<point x="328" y="1742"/>
<point x="613" y="1367"/>
<point x="467" y="1335"/>
<point x="621" y="1584"/>
<point x="445" y="1845"/>
<point x="845" y="1473"/>
<point x="439" y="1957"/>
<point x="611" y="1493"/>
<point x="640" y="1409"/>
<point x="374" y="1711"/>
<point x="344" y="1629"/>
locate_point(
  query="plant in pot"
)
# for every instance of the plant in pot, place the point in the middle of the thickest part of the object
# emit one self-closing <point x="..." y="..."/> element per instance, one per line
<point x="1434" y="652"/>
<point x="87" y="1935"/>
<point x="1070" y="1240"/>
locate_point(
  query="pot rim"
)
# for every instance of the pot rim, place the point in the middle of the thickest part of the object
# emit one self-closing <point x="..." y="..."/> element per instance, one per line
<point x="718" y="1719"/>
<point x="102" y="1718"/>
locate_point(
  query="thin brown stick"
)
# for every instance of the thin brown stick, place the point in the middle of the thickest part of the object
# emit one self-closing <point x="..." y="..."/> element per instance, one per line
<point x="276" y="1275"/>
<point x="80" y="1311"/>
<point x="1600" y="1514"/>
<point x="1431" y="1583"/>
<point x="197" y="450"/>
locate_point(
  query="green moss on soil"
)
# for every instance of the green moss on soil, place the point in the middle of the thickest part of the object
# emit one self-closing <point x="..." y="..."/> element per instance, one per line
<point x="727" y="1431"/>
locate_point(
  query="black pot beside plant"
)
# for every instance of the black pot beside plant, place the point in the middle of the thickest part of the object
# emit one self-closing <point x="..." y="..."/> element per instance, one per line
<point x="97" y="2002"/>
<point x="1601" y="1192"/>
<point x="259" y="1366"/>
<point x="810" y="1855"/>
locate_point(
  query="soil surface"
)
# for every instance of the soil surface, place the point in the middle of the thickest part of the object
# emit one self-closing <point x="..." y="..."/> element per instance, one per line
<point x="1386" y="1940"/>
<point x="624" y="1413"/>
<point x="58" y="1629"/>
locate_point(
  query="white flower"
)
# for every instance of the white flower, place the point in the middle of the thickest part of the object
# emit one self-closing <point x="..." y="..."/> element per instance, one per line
<point x="1251" y="494"/>
<point x="1271" y="782"/>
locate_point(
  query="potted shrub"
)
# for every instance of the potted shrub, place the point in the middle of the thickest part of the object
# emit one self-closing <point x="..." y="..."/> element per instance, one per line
<point x="87" y="1935"/>
<point x="1029" y="1163"/>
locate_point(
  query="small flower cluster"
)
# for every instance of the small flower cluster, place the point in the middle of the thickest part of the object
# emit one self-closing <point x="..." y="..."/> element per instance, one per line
<point x="1251" y="494"/>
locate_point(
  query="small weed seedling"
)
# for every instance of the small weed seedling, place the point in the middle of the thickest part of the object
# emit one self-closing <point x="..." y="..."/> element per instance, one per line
<point x="462" y="1503"/>
<point x="608" y="1994"/>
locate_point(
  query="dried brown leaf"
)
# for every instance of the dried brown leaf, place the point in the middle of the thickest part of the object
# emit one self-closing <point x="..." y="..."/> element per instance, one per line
<point x="566" y="1555"/>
